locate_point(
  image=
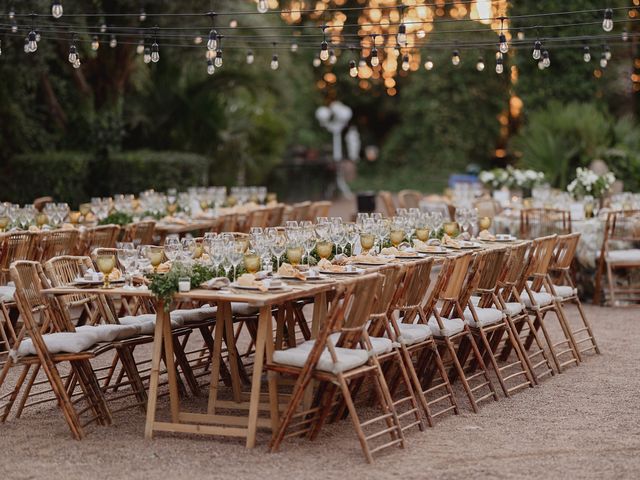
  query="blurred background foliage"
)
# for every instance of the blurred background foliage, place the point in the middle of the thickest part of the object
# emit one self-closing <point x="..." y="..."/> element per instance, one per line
<point x="118" y="123"/>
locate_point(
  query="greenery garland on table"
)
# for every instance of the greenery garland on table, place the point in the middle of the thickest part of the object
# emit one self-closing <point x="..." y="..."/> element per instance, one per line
<point x="165" y="285"/>
<point x="117" y="218"/>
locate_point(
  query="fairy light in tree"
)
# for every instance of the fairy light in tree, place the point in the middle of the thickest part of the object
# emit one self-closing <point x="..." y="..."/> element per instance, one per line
<point x="56" y="9"/>
<point x="504" y="46"/>
<point x="263" y="6"/>
<point x="480" y="64"/>
<point x="211" y="69"/>
<point x="607" y="23"/>
<point x="250" y="58"/>
<point x="537" y="50"/>
<point x="586" y="54"/>
<point x="455" y="58"/>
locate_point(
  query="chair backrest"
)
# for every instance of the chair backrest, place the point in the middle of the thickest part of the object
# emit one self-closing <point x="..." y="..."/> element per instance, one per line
<point x="539" y="258"/>
<point x="62" y="271"/>
<point x="387" y="202"/>
<point x="275" y="215"/>
<point x="228" y="223"/>
<point x="409" y="198"/>
<point x="516" y="263"/>
<point x="141" y="233"/>
<point x="104" y="236"/>
<point x="413" y="291"/>
<point x="456" y="274"/>
<point x="445" y="209"/>
<point x="300" y="211"/>
<point x="385" y="298"/>
<point x="539" y="222"/>
<point x="622" y="225"/>
<point x="58" y="242"/>
<point x="492" y="266"/>
<point x="16" y="246"/>
<point x="487" y="207"/>
<point x="566" y="246"/>
<point x="319" y="209"/>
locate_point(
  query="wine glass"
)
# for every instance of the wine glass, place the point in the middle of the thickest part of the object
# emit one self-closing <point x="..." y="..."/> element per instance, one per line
<point x="278" y="247"/>
<point x="294" y="254"/>
<point x="324" y="248"/>
<point x="251" y="262"/>
<point x="227" y="262"/>
<point x="309" y="243"/>
<point x="127" y="256"/>
<point x="397" y="231"/>
<point x="216" y="253"/>
<point x="154" y="254"/>
<point x="236" y="255"/>
<point x="106" y="264"/>
<point x="172" y="248"/>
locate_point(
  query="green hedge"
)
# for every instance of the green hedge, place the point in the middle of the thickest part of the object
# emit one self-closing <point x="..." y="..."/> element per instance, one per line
<point x="75" y="177"/>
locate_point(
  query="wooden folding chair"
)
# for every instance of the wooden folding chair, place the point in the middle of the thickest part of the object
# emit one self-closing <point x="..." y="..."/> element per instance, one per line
<point x="540" y="222"/>
<point x="335" y="367"/>
<point x="16" y="246"/>
<point x="486" y="317"/>
<point x="410" y="330"/>
<point x="453" y="335"/>
<point x="41" y="318"/>
<point x="140" y="233"/>
<point x="409" y="198"/>
<point x="319" y="209"/>
<point x="387" y="202"/>
<point x="275" y="215"/>
<point x="566" y="292"/>
<point x="517" y="316"/>
<point x="535" y="286"/>
<point x="619" y="252"/>
<point x="104" y="236"/>
<point x="58" y="242"/>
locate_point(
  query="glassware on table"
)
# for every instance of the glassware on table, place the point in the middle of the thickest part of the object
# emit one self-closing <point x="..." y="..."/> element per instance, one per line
<point x="74" y="217"/>
<point x="155" y="254"/>
<point x="172" y="248"/>
<point x="294" y="254"/>
<point x="309" y="243"/>
<point x="484" y="223"/>
<point x="451" y="228"/>
<point x="278" y="246"/>
<point x="397" y="233"/>
<point x="127" y="255"/>
<point x="423" y="230"/>
<point x="367" y="240"/>
<point x="324" y="248"/>
<point x="106" y="263"/>
<point x="236" y="255"/>
<point x="251" y="262"/>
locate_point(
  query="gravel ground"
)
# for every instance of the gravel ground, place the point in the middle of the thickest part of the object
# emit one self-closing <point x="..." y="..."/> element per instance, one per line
<point x="583" y="423"/>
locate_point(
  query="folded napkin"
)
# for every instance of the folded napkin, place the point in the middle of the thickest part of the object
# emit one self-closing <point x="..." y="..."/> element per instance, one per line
<point x="370" y="259"/>
<point x="486" y="235"/>
<point x="215" y="283"/>
<point x="249" y="280"/>
<point x="288" y="270"/>
<point x="450" y="242"/>
<point x="424" y="247"/>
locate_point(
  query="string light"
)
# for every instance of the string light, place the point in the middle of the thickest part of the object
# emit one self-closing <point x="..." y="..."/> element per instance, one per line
<point x="140" y="47"/>
<point x="210" y="54"/>
<point x="103" y="28"/>
<point x="147" y="55"/>
<point x="263" y="6"/>
<point x="499" y="63"/>
<point x="56" y="9"/>
<point x="274" y="62"/>
<point x="316" y="61"/>
<point x="0" y="47"/>
<point x="143" y="15"/>
<point x="12" y="13"/>
<point x="607" y="52"/>
<point x="250" y="58"/>
<point x="211" y="69"/>
<point x="480" y="64"/>
<point x="603" y="60"/>
<point x="586" y="56"/>
<point x="401" y="37"/>
<point x="537" y="50"/>
<point x="546" y="60"/>
<point x="76" y="64"/>
<point x="607" y="23"/>
<point x="324" y="46"/>
<point x="95" y="43"/>
<point x="26" y="44"/>
<point x="218" y="60"/>
<point x="73" y="53"/>
<point x="294" y="47"/>
<point x="625" y="35"/>
<point x="353" y="69"/>
<point x="14" y="26"/>
<point x="428" y="65"/>
<point x="155" y="52"/>
<point x="455" y="58"/>
<point x="32" y="44"/>
<point x="332" y="57"/>
<point x="504" y="46"/>
<point x="212" y="43"/>
<point x="113" y="43"/>
<point x="405" y="62"/>
<point x="362" y="62"/>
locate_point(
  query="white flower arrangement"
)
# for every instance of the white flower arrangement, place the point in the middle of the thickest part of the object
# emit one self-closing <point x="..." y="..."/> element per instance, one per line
<point x="511" y="178"/>
<point x="587" y="182"/>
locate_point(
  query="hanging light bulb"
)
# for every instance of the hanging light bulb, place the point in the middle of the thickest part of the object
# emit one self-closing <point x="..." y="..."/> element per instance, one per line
<point x="14" y="26"/>
<point x="143" y="15"/>
<point x="504" y="46"/>
<point x="274" y="62"/>
<point x="607" y="23"/>
<point x="402" y="34"/>
<point x="455" y="58"/>
<point x="324" y="51"/>
<point x="607" y="52"/>
<point x="76" y="64"/>
<point x="12" y="13"/>
<point x="263" y="6"/>
<point x="405" y="62"/>
<point x="140" y="47"/>
<point x="233" y="23"/>
<point x="480" y="64"/>
<point x="0" y="47"/>
<point x="316" y="61"/>
<point x="95" y="43"/>
<point x="33" y="45"/>
<point x="546" y="60"/>
<point x="103" y="28"/>
<point x="362" y="62"/>
<point x="625" y="35"/>
<point x="537" y="50"/>
<point x="375" y="61"/>
<point x="210" y="54"/>
<point x="332" y="57"/>
<point x="212" y="43"/>
<point x="250" y="58"/>
<point x="211" y="69"/>
<point x="155" y="52"/>
<point x="38" y="37"/>
<point x="540" y="65"/>
<point x="56" y="8"/>
<point x="197" y="40"/>
<point x="521" y="35"/>
<point x="113" y="43"/>
<point x="603" y="61"/>
<point x="421" y="34"/>
<point x="26" y="44"/>
<point x="353" y="69"/>
<point x="218" y="60"/>
<point x="73" y="53"/>
<point x="147" y="55"/>
<point x="428" y="65"/>
<point x="586" y="55"/>
<point x="499" y="65"/>
<point x="294" y="47"/>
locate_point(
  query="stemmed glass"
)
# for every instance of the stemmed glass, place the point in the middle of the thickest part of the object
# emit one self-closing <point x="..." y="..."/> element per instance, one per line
<point x="127" y="257"/>
<point x="172" y="248"/>
<point x="397" y="231"/>
<point x="309" y="243"/>
<point x="106" y="264"/>
<point x="216" y="253"/>
<point x="461" y="217"/>
<point x="278" y="247"/>
<point x="154" y="254"/>
<point x="236" y="255"/>
<point x="227" y="262"/>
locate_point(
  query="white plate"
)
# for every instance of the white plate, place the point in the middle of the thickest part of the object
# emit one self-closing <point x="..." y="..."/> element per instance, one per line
<point x="357" y="271"/>
<point x="413" y="256"/>
<point x="82" y="281"/>
<point x="470" y="245"/>
<point x="256" y="289"/>
<point x="508" y="239"/>
<point x="442" y="251"/>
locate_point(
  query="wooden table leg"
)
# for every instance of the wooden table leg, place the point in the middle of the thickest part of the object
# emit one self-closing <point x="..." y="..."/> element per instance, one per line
<point x="154" y="375"/>
<point x="216" y="357"/>
<point x="264" y="325"/>
<point x="319" y="313"/>
<point x="163" y="317"/>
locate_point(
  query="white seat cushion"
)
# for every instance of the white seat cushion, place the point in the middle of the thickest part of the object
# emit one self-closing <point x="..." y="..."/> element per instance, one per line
<point x="542" y="299"/>
<point x="63" y="342"/>
<point x="243" y="309"/>
<point x="147" y="322"/>
<point x="110" y="333"/>
<point x="475" y="300"/>
<point x="563" y="291"/>
<point x="200" y="314"/>
<point x="486" y="316"/>
<point x="6" y="293"/>
<point x="624" y="256"/>
<point x="514" y="308"/>
<point x="379" y="345"/>
<point x="451" y="326"/>
<point x="347" y="358"/>
<point x="412" y="333"/>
